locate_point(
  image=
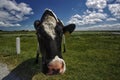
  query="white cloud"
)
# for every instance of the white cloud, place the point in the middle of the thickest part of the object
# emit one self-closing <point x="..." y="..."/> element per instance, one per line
<point x="117" y="0"/>
<point x="111" y="19"/>
<point x="97" y="15"/>
<point x="94" y="17"/>
<point x="76" y="19"/>
<point x="11" y="12"/>
<point x="25" y="9"/>
<point x="96" y="4"/>
<point x="115" y="10"/>
<point x="88" y="18"/>
<point x="7" y="24"/>
<point x="105" y="27"/>
<point x="77" y="16"/>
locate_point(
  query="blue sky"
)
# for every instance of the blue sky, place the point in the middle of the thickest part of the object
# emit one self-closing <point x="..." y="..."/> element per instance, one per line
<point x="86" y="14"/>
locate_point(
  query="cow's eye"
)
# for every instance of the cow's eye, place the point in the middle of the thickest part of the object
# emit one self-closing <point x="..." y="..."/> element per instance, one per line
<point x="41" y="30"/>
<point x="58" y="30"/>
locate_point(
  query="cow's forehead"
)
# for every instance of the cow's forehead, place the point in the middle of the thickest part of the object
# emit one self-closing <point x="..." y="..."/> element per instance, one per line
<point x="49" y="22"/>
<point x="52" y="13"/>
<point x="49" y="13"/>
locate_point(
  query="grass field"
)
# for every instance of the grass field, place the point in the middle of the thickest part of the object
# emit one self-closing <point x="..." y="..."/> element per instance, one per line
<point x="89" y="56"/>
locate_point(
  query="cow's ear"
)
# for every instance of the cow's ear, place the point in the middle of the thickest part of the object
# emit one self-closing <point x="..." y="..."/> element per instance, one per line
<point x="36" y="24"/>
<point x="69" y="29"/>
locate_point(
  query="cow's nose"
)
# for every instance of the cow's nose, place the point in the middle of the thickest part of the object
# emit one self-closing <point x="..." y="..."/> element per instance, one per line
<point x="56" y="71"/>
<point x="53" y="72"/>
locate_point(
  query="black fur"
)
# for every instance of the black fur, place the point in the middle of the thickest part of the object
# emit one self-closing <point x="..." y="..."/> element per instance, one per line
<point x="49" y="48"/>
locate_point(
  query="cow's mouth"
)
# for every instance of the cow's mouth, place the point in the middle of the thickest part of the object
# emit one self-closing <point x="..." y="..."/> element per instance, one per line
<point x="56" y="66"/>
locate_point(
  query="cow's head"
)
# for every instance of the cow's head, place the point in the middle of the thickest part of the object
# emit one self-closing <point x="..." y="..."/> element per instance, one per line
<point x="49" y="32"/>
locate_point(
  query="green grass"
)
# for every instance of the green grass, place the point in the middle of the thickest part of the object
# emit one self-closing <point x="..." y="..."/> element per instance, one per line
<point x="89" y="56"/>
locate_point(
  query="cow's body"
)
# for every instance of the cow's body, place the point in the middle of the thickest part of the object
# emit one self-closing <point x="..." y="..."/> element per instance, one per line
<point x="49" y="33"/>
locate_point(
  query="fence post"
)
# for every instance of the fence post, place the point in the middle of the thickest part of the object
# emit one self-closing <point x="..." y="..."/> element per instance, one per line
<point x="18" y="45"/>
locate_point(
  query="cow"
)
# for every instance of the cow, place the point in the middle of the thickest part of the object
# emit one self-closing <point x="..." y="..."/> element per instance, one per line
<point x="50" y="30"/>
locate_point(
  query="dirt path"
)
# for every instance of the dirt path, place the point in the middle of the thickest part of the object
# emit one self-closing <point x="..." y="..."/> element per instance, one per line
<point x="3" y="70"/>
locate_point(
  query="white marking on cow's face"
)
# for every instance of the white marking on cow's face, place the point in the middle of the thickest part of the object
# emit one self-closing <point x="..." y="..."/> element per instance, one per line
<point x="49" y="25"/>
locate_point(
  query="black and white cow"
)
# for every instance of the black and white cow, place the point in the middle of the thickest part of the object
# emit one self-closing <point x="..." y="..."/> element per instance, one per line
<point x="49" y="33"/>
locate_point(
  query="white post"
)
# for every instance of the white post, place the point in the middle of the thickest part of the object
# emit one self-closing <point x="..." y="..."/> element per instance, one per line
<point x="18" y="45"/>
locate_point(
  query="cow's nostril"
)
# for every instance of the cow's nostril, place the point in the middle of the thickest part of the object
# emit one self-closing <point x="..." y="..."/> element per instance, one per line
<point x="53" y="69"/>
<point x="56" y="71"/>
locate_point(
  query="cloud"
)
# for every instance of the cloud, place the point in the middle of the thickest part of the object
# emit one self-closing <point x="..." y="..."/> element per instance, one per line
<point x="12" y="12"/>
<point x="115" y="9"/>
<point x="76" y="19"/>
<point x="96" y="4"/>
<point x="91" y="17"/>
<point x="105" y="27"/>
<point x="111" y="19"/>
<point x="118" y="1"/>
<point x="88" y="18"/>
<point x="97" y="15"/>
<point x="8" y="24"/>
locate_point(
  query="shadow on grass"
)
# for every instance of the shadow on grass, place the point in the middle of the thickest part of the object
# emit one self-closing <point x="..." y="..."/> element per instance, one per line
<point x="25" y="71"/>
